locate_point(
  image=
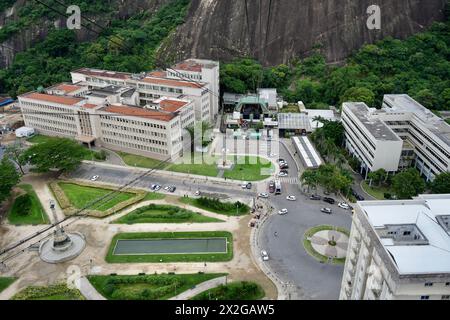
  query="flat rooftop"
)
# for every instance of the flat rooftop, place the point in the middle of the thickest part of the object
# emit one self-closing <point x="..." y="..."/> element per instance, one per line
<point x="375" y="126"/>
<point x="64" y="100"/>
<point x="405" y="104"/>
<point x="423" y="247"/>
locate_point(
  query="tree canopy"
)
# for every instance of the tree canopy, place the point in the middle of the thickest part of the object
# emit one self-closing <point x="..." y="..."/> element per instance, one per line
<point x="9" y="177"/>
<point x="55" y="154"/>
<point x="441" y="183"/>
<point x="408" y="184"/>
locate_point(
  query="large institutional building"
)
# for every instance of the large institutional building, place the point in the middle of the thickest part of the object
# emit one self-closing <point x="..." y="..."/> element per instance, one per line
<point x="401" y="134"/>
<point x="399" y="250"/>
<point x="143" y="114"/>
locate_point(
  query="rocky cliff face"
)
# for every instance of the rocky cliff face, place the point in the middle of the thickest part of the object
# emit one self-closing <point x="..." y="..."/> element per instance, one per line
<point x="26" y="37"/>
<point x="273" y="31"/>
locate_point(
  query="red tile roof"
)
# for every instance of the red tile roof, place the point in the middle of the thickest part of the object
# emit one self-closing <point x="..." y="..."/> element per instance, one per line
<point x="90" y="106"/>
<point x="172" y="105"/>
<point x="189" y="66"/>
<point x="70" y="101"/>
<point x="175" y="83"/>
<point x="140" y="112"/>
<point x="67" y="88"/>
<point x="158" y="74"/>
<point x="104" y="73"/>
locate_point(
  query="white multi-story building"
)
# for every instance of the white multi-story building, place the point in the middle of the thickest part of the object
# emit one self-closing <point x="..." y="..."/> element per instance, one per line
<point x="207" y="71"/>
<point x="399" y="250"/>
<point x="102" y="118"/>
<point x="196" y="80"/>
<point x="401" y="134"/>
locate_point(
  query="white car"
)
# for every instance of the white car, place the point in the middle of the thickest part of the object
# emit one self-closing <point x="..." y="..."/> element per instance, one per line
<point x="283" y="212"/>
<point x="264" y="255"/>
<point x="95" y="178"/>
<point x="291" y="198"/>
<point x="343" y="205"/>
<point x="263" y="195"/>
<point x="197" y="193"/>
<point x="283" y="174"/>
<point x="167" y="188"/>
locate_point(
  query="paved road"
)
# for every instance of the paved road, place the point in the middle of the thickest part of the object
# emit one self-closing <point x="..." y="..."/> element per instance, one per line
<point x="307" y="278"/>
<point x="120" y="176"/>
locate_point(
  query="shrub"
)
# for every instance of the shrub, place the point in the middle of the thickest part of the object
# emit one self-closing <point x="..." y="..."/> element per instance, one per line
<point x="23" y="204"/>
<point x="387" y="196"/>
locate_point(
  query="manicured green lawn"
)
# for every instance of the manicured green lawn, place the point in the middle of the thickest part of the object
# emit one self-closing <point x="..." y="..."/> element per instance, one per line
<point x="233" y="291"/>
<point x="245" y="169"/>
<point x="36" y="213"/>
<point x="147" y="287"/>
<point x="226" y="208"/>
<point x="153" y="196"/>
<point x="309" y="248"/>
<point x="165" y="258"/>
<point x="54" y="292"/>
<point x="250" y="169"/>
<point x="80" y="196"/>
<point x="376" y="192"/>
<point x="140" y="161"/>
<point x="5" y="282"/>
<point x="164" y="214"/>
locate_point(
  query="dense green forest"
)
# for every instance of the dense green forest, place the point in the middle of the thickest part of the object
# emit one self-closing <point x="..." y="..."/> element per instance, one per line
<point x="418" y="66"/>
<point x="126" y="45"/>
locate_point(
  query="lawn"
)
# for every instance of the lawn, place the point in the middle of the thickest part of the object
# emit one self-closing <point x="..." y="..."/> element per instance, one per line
<point x="151" y="196"/>
<point x="35" y="213"/>
<point x="40" y="139"/>
<point x="165" y="258"/>
<point x="250" y="168"/>
<point x="233" y="291"/>
<point x="246" y="168"/>
<point x="164" y="214"/>
<point x="140" y="161"/>
<point x="217" y="206"/>
<point x="5" y="282"/>
<point x="147" y="287"/>
<point x="310" y="250"/>
<point x="81" y="196"/>
<point x="375" y="191"/>
<point x="54" y="292"/>
<point x="291" y="108"/>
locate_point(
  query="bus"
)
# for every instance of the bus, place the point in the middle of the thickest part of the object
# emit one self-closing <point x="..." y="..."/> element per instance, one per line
<point x="277" y="187"/>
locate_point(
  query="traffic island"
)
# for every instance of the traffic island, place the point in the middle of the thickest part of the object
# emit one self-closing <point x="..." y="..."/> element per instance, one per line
<point x="327" y="244"/>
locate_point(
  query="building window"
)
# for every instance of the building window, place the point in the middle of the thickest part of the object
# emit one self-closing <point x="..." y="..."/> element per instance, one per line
<point x="447" y="297"/>
<point x="424" y="297"/>
<point x="447" y="284"/>
<point x="428" y="284"/>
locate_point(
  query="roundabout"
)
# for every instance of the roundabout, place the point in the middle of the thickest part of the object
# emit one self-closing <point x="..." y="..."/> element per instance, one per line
<point x="327" y="243"/>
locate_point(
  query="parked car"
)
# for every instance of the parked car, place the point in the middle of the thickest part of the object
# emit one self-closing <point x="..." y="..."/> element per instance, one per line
<point x="272" y="186"/>
<point x="246" y="185"/>
<point x="343" y="205"/>
<point x="249" y="186"/>
<point x="283" y="212"/>
<point x="291" y="198"/>
<point x="197" y="193"/>
<point x="263" y="195"/>
<point x="155" y="187"/>
<point x="329" y="200"/>
<point x="315" y="197"/>
<point x="95" y="178"/>
<point x="264" y="255"/>
<point x="283" y="174"/>
<point x="281" y="161"/>
<point x="167" y="188"/>
<point x="172" y="189"/>
<point x="284" y="166"/>
<point x="326" y="210"/>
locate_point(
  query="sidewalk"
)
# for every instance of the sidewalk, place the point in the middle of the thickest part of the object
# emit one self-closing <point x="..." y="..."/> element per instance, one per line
<point x="188" y="294"/>
<point x="88" y="291"/>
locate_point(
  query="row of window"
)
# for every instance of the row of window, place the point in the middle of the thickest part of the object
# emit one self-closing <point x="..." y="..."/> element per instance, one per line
<point x="160" y="88"/>
<point x="136" y="146"/>
<point x="113" y="119"/>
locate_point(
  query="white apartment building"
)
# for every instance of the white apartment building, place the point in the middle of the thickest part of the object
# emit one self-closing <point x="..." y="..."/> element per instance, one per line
<point x="100" y="118"/>
<point x="207" y="71"/>
<point x="370" y="139"/>
<point x="196" y="81"/>
<point x="399" y="250"/>
<point x="401" y="134"/>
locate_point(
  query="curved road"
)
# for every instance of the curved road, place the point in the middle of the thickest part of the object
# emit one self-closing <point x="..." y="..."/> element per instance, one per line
<point x="305" y="278"/>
